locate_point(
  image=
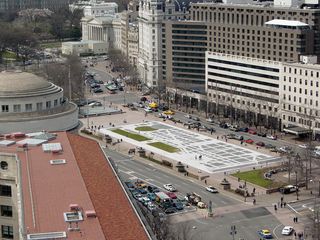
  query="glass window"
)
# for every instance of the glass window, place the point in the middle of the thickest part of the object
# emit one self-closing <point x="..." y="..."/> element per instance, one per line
<point x="5" y="190"/>
<point x="28" y="107"/>
<point x="17" y="108"/>
<point x="6" y="211"/>
<point x="55" y="103"/>
<point x="48" y="104"/>
<point x="5" y="108"/>
<point x="39" y="106"/>
<point x="7" y="231"/>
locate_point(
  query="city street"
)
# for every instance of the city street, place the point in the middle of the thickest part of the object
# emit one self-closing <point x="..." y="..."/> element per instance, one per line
<point x="247" y="218"/>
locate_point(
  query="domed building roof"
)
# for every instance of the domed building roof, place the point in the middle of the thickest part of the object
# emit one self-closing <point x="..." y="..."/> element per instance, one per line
<point x="14" y="81"/>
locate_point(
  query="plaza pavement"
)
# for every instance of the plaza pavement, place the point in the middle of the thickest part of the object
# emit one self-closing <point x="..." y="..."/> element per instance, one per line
<point x="284" y="215"/>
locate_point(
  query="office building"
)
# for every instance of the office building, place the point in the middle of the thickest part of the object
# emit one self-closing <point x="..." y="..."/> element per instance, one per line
<point x="48" y="190"/>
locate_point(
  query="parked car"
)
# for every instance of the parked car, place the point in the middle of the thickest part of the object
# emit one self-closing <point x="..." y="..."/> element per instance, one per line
<point x="287" y="230"/>
<point x="177" y="204"/>
<point x="171" y="195"/>
<point x="95" y="104"/>
<point x="196" y="118"/>
<point x="148" y="110"/>
<point x="201" y="205"/>
<point x="151" y="206"/>
<point x="234" y="128"/>
<point x="188" y="116"/>
<point x="169" y="187"/>
<point x="97" y="90"/>
<point x="153" y="189"/>
<point x="142" y="191"/>
<point x="260" y="144"/>
<point x="303" y="146"/>
<point x="288" y="189"/>
<point x="169" y="112"/>
<point x="151" y="196"/>
<point x="238" y="137"/>
<point x="170" y="210"/>
<point x="273" y="137"/>
<point x="212" y="189"/>
<point x="265" y="234"/>
<point x="130" y="185"/>
<point x="244" y="129"/>
<point x="261" y="134"/>
<point x="251" y="131"/>
<point x="209" y="120"/>
<point x="269" y="146"/>
<point x="249" y="141"/>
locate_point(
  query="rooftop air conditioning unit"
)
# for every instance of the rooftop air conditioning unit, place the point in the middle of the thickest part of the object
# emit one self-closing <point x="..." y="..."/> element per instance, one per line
<point x="74" y="207"/>
<point x="91" y="214"/>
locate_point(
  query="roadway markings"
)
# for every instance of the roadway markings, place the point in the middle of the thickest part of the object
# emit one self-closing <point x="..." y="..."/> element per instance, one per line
<point x="274" y="233"/>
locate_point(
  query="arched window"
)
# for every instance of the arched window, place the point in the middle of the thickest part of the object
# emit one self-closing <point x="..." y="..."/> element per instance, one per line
<point x="4" y="165"/>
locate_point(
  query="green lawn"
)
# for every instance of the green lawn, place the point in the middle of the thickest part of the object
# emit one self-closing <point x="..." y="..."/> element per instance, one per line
<point x="256" y="177"/>
<point x="164" y="147"/>
<point x="130" y="135"/>
<point x="145" y="129"/>
<point x="51" y="45"/>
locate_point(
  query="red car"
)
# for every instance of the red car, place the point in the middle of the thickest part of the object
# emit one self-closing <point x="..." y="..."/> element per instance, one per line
<point x="171" y="195"/>
<point x="250" y="141"/>
<point x="260" y="144"/>
<point x="251" y="131"/>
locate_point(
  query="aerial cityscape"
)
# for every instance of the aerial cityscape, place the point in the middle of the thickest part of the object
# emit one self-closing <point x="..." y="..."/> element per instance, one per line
<point x="159" y="119"/>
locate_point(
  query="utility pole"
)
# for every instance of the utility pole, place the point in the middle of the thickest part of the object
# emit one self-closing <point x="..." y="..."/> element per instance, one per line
<point x="297" y="192"/>
<point x="69" y="81"/>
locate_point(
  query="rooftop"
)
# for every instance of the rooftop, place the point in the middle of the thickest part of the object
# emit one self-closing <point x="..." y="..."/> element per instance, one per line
<point x="291" y="23"/>
<point x="16" y="81"/>
<point x="71" y="184"/>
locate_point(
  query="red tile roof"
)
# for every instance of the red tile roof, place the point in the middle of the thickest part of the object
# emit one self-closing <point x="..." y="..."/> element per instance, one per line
<point x="116" y="216"/>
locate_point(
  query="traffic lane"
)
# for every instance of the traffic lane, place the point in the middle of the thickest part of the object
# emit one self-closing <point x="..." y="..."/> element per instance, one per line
<point x="246" y="227"/>
<point x="158" y="177"/>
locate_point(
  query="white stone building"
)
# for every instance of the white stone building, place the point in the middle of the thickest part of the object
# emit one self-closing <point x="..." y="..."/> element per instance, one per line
<point x="106" y="29"/>
<point x="299" y="94"/>
<point x="243" y="88"/>
<point x="84" y="48"/>
<point x="29" y="103"/>
<point x="100" y="9"/>
<point x="151" y="16"/>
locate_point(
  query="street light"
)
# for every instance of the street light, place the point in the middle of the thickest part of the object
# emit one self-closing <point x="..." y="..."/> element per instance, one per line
<point x="297" y="192"/>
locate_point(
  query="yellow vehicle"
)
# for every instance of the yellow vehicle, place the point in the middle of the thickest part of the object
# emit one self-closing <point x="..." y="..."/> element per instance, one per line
<point x="168" y="112"/>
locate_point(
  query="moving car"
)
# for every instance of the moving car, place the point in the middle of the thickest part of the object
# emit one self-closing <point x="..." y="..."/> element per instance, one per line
<point x="148" y="110"/>
<point x="261" y="134"/>
<point x="238" y="137"/>
<point x="234" y="128"/>
<point x="168" y="112"/>
<point x="265" y="234"/>
<point x="250" y="141"/>
<point x="287" y="230"/>
<point x="288" y="189"/>
<point x="169" y="187"/>
<point x="303" y="145"/>
<point x="272" y="137"/>
<point x="251" y="131"/>
<point x="196" y="118"/>
<point x="212" y="189"/>
<point x="188" y="116"/>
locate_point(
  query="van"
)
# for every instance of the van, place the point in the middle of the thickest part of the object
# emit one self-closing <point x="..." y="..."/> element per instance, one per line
<point x="288" y="189"/>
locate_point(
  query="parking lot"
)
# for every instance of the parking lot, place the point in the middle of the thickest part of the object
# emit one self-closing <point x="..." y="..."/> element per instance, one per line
<point x="196" y="150"/>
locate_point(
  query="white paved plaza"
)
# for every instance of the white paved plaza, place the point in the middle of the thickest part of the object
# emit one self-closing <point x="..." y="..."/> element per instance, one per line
<point x="216" y="155"/>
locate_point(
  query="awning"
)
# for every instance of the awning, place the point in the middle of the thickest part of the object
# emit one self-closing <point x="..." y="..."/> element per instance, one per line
<point x="297" y="130"/>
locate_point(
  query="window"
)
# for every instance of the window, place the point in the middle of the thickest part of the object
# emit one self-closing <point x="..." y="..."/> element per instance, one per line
<point x="4" y="165"/>
<point x="55" y="103"/>
<point x="16" y="108"/>
<point x="28" y="107"/>
<point x="48" y="104"/>
<point x="5" y="108"/>
<point x="7" y="231"/>
<point x="6" y="211"/>
<point x="5" y="190"/>
<point x="39" y="106"/>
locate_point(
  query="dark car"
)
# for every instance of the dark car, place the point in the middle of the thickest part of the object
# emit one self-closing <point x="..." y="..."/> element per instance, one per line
<point x="130" y="185"/>
<point x="170" y="210"/>
<point x="97" y="90"/>
<point x="260" y="144"/>
<point x="244" y="129"/>
<point x="142" y="191"/>
<point x="262" y="134"/>
<point x="223" y="125"/>
<point x="94" y="85"/>
<point x="177" y="204"/>
<point x="153" y="189"/>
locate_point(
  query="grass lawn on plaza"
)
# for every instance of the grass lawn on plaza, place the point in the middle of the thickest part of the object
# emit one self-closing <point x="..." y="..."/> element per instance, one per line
<point x="256" y="177"/>
<point x="134" y="136"/>
<point x="51" y="45"/>
<point x="145" y="129"/>
<point x="164" y="147"/>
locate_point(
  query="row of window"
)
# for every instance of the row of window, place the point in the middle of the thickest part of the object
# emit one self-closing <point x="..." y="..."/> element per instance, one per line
<point x="29" y="106"/>
<point x="248" y="103"/>
<point x="300" y="100"/>
<point x="300" y="109"/>
<point x="300" y="81"/>
<point x="294" y="89"/>
<point x="307" y="73"/>
<point x="302" y="121"/>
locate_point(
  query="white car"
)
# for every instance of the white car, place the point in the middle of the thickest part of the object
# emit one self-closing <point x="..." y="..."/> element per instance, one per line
<point x="188" y="116"/>
<point x="303" y="146"/>
<point x="212" y="189"/>
<point x="272" y="137"/>
<point x="148" y="110"/>
<point x="169" y="187"/>
<point x="287" y="230"/>
<point x="210" y="120"/>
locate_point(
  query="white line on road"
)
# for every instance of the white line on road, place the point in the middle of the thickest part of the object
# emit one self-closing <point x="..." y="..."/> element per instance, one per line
<point x="275" y="230"/>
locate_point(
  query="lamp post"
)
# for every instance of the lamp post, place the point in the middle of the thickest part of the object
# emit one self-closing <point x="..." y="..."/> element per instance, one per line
<point x="297" y="192"/>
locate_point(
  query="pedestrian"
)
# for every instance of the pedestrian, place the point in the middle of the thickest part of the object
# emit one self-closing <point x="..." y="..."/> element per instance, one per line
<point x="205" y="181"/>
<point x="295" y="235"/>
<point x="254" y="201"/>
<point x="245" y="183"/>
<point x="218" y="137"/>
<point x="296" y="219"/>
<point x="254" y="190"/>
<point x="284" y="204"/>
<point x="195" y="157"/>
<point x="238" y="179"/>
<point x="281" y="199"/>
<point x="200" y="157"/>
<point x="275" y="208"/>
<point x="281" y="204"/>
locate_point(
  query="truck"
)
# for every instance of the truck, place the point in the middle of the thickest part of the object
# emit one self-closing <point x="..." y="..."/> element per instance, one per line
<point x="193" y="198"/>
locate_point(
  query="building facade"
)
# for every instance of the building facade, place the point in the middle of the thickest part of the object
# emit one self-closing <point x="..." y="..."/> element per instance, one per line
<point x="30" y="103"/>
<point x="151" y="16"/>
<point x="183" y="55"/>
<point x="243" y="88"/>
<point x="133" y="44"/>
<point x="17" y="5"/>
<point x="84" y="48"/>
<point x="100" y="9"/>
<point x="10" y="196"/>
<point x="299" y="94"/>
<point x="105" y="29"/>
<point x="260" y="30"/>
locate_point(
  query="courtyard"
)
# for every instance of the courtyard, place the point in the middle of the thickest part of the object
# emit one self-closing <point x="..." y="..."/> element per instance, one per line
<point x="194" y="149"/>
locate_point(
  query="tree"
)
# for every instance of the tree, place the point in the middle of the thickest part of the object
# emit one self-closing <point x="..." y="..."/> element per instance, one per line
<point x="69" y="76"/>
